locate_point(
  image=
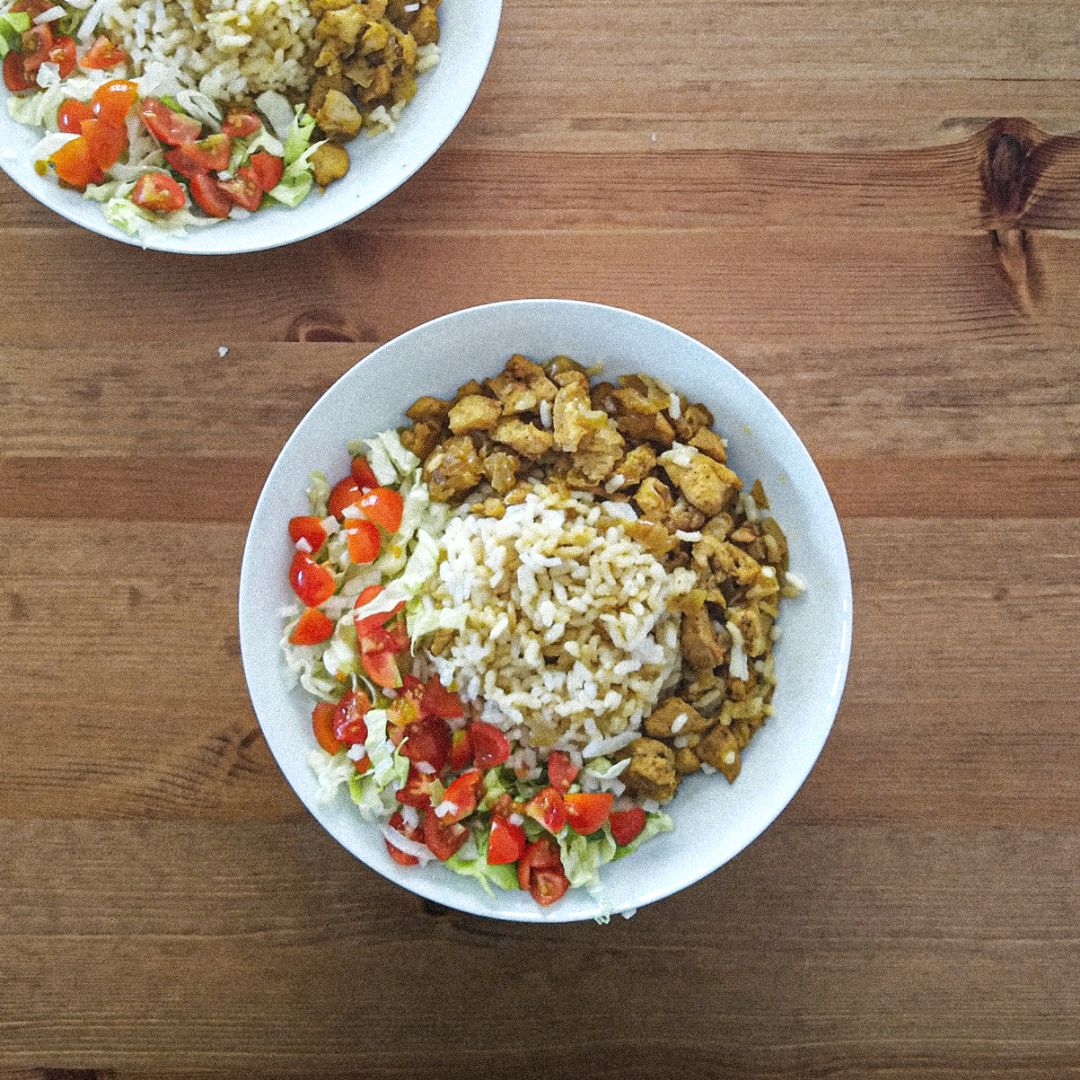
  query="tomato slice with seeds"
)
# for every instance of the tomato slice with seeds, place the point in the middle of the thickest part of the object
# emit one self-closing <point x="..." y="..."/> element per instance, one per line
<point x="322" y="723"/>
<point x="36" y="43"/>
<point x="438" y="701"/>
<point x="71" y="114"/>
<point x="562" y="772"/>
<point x="382" y="669"/>
<point x="103" y="54"/>
<point x="349" y="724"/>
<point x="313" y="583"/>
<point x="626" y="825"/>
<point x="268" y="169"/>
<point x="16" y="78"/>
<point x="415" y="833"/>
<point x="159" y="193"/>
<point x="239" y="125"/>
<point x="309" y="529"/>
<point x="167" y="125"/>
<point x="112" y="101"/>
<point x="587" y="811"/>
<point x="384" y="506"/>
<point x="361" y="470"/>
<point x="345" y="493"/>
<point x="106" y="144"/>
<point x="314" y="625"/>
<point x="490" y="745"/>
<point x="207" y="193"/>
<point x="243" y="190"/>
<point x="62" y="53"/>
<point x="428" y="740"/>
<point x="364" y="541"/>
<point x="540" y="872"/>
<point x="547" y="807"/>
<point x="547" y="886"/>
<point x="443" y="840"/>
<point x="75" y="164"/>
<point x="506" y="842"/>
<point x="464" y="793"/>
<point x="416" y="790"/>
<point x="460" y="749"/>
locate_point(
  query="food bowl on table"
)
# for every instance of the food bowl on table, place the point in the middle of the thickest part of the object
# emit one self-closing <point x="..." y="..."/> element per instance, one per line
<point x="713" y="820"/>
<point x="377" y="165"/>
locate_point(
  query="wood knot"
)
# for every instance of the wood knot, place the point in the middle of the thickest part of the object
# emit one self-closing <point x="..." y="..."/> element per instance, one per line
<point x="319" y="325"/>
<point x="1006" y="179"/>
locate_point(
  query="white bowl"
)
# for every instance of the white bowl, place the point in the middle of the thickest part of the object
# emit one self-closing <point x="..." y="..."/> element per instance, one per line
<point x="714" y="820"/>
<point x="378" y="166"/>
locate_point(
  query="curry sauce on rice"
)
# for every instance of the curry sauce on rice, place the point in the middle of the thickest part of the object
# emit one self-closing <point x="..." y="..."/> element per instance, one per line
<point x="579" y="573"/>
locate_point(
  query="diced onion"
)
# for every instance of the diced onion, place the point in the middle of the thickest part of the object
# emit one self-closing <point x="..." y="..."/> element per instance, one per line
<point x="50" y="15"/>
<point x="407" y="846"/>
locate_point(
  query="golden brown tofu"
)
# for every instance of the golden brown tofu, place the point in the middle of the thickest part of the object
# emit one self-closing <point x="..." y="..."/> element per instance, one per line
<point x="421" y="438"/>
<point x="707" y="484"/>
<point x="429" y="409"/>
<point x="501" y="469"/>
<point x="754" y="627"/>
<point x="453" y="469"/>
<point x="637" y="465"/>
<point x="700" y="643"/>
<point x="527" y="439"/>
<point x="381" y="78"/>
<point x="664" y="723"/>
<point x="474" y="412"/>
<point x="338" y="117"/>
<point x="425" y="26"/>
<point x="694" y="418"/>
<point x="710" y="444"/>
<point x="597" y="456"/>
<point x="653" y="498"/>
<point x="329" y="162"/>
<point x="720" y="749"/>
<point x="342" y="25"/>
<point x="521" y="386"/>
<point x="725" y="560"/>
<point x="685" y="517"/>
<point x="639" y="419"/>
<point x="653" y="537"/>
<point x="651" y="772"/>
<point x="573" y="415"/>
<point x="322" y="85"/>
<point x="686" y="761"/>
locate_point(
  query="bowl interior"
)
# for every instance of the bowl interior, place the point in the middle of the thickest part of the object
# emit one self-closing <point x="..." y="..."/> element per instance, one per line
<point x="713" y="820"/>
<point x="378" y="166"/>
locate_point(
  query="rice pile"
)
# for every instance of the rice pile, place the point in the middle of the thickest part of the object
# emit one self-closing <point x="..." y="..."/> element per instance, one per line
<point x="227" y="49"/>
<point x="568" y="637"/>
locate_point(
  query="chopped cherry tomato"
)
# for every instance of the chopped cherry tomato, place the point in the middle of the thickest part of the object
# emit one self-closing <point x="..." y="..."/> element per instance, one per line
<point x="364" y="542"/>
<point x="314" y="625"/>
<point x="626" y="825"/>
<point x="344" y="494"/>
<point x="561" y="771"/>
<point x="36" y="43"/>
<point x="16" y="78"/>
<point x="309" y="529"/>
<point x="504" y="806"/>
<point x="404" y="709"/>
<point x="464" y="793"/>
<point x="239" y="125"/>
<point x="428" y="740"/>
<point x="212" y="201"/>
<point x="416" y="790"/>
<point x="112" y="101"/>
<point x="398" y="636"/>
<point x="460" y="750"/>
<point x="310" y="581"/>
<point x="540" y="872"/>
<point x="33" y="8"/>
<point x="268" y="169"/>
<point x="361" y="470"/>
<point x="547" y="807"/>
<point x="381" y="668"/>
<point x="438" y="701"/>
<point x="75" y="164"/>
<point x="102" y="54"/>
<point x="383" y="506"/>
<point x="506" y="844"/>
<point x="587" y="812"/>
<point x="63" y="55"/>
<point x="71" y="114"/>
<point x="208" y="155"/>
<point x="106" y="144"/>
<point x="489" y="744"/>
<point x="372" y="622"/>
<point x="159" y="193"/>
<point x="167" y="125"/>
<point x="243" y="190"/>
<point x="349" y="724"/>
<point x="415" y="833"/>
<point x="443" y="840"/>
<point x="322" y="723"/>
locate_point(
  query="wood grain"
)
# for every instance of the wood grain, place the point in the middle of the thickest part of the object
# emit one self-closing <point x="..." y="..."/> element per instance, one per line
<point x="871" y="209"/>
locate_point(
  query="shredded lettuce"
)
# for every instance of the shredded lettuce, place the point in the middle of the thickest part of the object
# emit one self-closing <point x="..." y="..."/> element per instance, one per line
<point x="582" y="856"/>
<point x="504" y="875"/>
<point x="120" y="211"/>
<point x="318" y="492"/>
<point x="298" y="137"/>
<point x="330" y="772"/>
<point x="655" y="824"/>
<point x="12" y="24"/>
<point x="373" y="792"/>
<point x="298" y="178"/>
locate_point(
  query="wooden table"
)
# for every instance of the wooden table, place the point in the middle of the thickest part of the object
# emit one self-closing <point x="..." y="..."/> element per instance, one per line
<point x="827" y="193"/>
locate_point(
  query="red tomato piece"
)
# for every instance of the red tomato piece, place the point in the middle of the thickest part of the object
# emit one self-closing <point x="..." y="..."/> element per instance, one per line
<point x="212" y="201"/>
<point x="540" y="872"/>
<point x="364" y="542"/>
<point x="313" y="583"/>
<point x="314" y="625"/>
<point x="404" y="709"/>
<point x="211" y="154"/>
<point x="243" y="190"/>
<point x="504" y="806"/>
<point x="548" y="808"/>
<point x="587" y="812"/>
<point x="63" y="55"/>
<point x="490" y="745"/>
<point x="460" y="750"/>
<point x="36" y="43"/>
<point x="415" y="833"/>
<point x="361" y="470"/>
<point x="464" y="793"/>
<point x="309" y="529"/>
<point x="398" y="636"/>
<point x="506" y="844"/>
<point x="373" y="622"/>
<point x="429" y="741"/>
<point x="112" y="101"/>
<point x="438" y="701"/>
<point x="75" y="164"/>
<point x="167" y="125"/>
<point x="349" y="724"/>
<point x="626" y="825"/>
<point x="345" y="493"/>
<point x="547" y="886"/>
<point x="33" y="8"/>
<point x="382" y="669"/>
<point x="322" y="723"/>
<point x="268" y="169"/>
<point x="71" y="115"/>
<point x="561" y="771"/>
<point x="384" y="506"/>
<point x="443" y="840"/>
<point x="103" y="54"/>
<point x="16" y="78"/>
<point x="416" y="790"/>
<point x="239" y="125"/>
<point x="158" y="192"/>
<point x="106" y="144"/>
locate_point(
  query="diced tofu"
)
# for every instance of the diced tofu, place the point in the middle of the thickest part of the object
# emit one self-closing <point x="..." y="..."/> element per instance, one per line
<point x="474" y="412"/>
<point x="720" y="749"/>
<point x="709" y="443"/>
<point x="501" y="469"/>
<point x="573" y="415"/>
<point x="343" y="25"/>
<point x="699" y="640"/>
<point x="651" y="772"/>
<point x="339" y="117"/>
<point x="653" y="498"/>
<point x="429" y="409"/>
<point x="664" y="721"/>
<point x="453" y="469"/>
<point x="526" y="439"/>
<point x="694" y="418"/>
<point x="421" y="438"/>
<point x="707" y="484"/>
<point x="754" y="627"/>
<point x="329" y="162"/>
